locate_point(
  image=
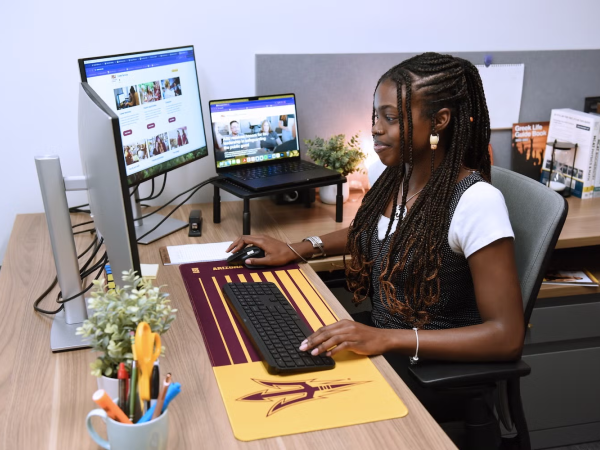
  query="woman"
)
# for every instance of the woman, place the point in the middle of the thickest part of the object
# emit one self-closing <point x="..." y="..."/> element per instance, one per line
<point x="134" y="98"/>
<point x="156" y="91"/>
<point x="442" y="272"/>
<point x="271" y="139"/>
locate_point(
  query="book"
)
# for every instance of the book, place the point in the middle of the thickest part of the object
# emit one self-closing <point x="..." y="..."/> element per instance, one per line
<point x="570" y="277"/>
<point x="528" y="147"/>
<point x="183" y="254"/>
<point x="583" y="129"/>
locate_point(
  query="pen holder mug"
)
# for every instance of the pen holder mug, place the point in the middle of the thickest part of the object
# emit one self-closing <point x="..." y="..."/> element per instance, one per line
<point x="149" y="435"/>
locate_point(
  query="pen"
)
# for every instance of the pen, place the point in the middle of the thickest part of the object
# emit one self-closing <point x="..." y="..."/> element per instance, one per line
<point x="172" y="392"/>
<point x="112" y="410"/>
<point x="161" y="399"/>
<point x="154" y="384"/>
<point x="122" y="376"/>
<point x="133" y="382"/>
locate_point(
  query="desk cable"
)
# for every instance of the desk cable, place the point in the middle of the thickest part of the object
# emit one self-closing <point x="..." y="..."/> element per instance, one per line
<point x="193" y="190"/>
<point x="84" y="272"/>
<point x="99" y="266"/>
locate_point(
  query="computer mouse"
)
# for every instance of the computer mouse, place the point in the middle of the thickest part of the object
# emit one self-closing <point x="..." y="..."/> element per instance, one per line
<point x="252" y="251"/>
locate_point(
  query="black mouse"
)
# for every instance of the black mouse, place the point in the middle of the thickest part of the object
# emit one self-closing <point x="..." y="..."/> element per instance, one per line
<point x="240" y="257"/>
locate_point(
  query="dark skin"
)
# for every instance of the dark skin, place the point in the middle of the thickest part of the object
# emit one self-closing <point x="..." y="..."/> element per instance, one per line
<point x="493" y="269"/>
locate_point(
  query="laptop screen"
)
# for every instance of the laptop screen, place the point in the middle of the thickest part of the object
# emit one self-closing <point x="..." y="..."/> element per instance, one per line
<point x="253" y="130"/>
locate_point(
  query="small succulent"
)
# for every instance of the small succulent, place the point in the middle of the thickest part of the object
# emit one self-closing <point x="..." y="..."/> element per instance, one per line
<point x="118" y="311"/>
<point x="343" y="157"/>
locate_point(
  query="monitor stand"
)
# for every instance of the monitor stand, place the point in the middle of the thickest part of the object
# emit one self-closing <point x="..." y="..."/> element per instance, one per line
<point x="62" y="335"/>
<point x="142" y="226"/>
<point x="54" y="194"/>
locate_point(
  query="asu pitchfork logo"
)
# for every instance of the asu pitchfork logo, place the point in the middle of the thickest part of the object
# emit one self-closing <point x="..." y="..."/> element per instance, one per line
<point x="296" y="392"/>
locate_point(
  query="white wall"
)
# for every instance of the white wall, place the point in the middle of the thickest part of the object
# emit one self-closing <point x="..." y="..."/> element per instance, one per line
<point x="42" y="41"/>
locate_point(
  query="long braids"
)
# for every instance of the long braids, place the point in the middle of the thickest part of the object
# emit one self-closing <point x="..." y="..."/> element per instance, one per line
<point x="415" y="247"/>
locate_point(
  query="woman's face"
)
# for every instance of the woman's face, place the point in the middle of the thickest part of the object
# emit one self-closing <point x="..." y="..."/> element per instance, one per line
<point x="386" y="130"/>
<point x="265" y="127"/>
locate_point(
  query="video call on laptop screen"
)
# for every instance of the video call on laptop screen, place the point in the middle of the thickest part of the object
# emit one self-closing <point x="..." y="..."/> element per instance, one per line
<point x="253" y="130"/>
<point x="156" y="96"/>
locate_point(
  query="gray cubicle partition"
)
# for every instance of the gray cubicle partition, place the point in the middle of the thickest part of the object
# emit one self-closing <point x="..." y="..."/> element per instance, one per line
<point x="335" y="91"/>
<point x="334" y="95"/>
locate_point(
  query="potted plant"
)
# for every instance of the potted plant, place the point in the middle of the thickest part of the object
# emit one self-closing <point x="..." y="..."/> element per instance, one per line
<point x="116" y="312"/>
<point x="339" y="155"/>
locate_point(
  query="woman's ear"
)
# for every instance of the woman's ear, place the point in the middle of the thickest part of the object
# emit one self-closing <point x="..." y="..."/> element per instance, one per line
<point x="442" y="119"/>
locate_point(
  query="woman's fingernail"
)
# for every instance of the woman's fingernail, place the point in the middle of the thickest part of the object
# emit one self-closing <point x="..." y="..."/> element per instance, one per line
<point x="248" y="261"/>
<point x="305" y="341"/>
<point x="303" y="347"/>
<point x="328" y="354"/>
<point x="315" y="352"/>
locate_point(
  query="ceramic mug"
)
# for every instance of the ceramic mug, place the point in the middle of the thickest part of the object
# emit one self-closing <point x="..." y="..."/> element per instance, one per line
<point x="150" y="435"/>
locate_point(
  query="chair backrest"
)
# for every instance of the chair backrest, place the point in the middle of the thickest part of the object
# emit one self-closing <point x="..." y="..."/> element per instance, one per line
<point x="537" y="215"/>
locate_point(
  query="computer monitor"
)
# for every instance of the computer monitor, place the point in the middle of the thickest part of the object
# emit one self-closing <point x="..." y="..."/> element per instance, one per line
<point x="156" y="97"/>
<point x="100" y="147"/>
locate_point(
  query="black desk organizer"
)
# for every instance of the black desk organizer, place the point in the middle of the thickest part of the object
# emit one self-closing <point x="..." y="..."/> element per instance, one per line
<point x="246" y="195"/>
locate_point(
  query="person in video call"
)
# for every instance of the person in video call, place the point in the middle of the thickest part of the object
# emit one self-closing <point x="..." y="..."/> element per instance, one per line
<point x="271" y="139"/>
<point x="134" y="98"/>
<point x="431" y="245"/>
<point x="179" y="139"/>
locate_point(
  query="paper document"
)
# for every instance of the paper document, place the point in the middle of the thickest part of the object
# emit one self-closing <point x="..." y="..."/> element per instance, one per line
<point x="182" y="254"/>
<point x="503" y="87"/>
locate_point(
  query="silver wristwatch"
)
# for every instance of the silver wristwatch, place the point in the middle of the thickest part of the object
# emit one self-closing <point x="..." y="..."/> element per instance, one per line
<point x="317" y="243"/>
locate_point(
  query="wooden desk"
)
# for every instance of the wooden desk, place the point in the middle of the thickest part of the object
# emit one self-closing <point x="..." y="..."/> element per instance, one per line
<point x="46" y="396"/>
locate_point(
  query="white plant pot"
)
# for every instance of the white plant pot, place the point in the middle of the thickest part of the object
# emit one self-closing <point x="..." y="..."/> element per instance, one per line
<point x="328" y="193"/>
<point x="110" y="385"/>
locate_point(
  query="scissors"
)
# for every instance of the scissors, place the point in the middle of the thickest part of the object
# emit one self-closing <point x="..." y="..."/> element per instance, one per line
<point x="147" y="349"/>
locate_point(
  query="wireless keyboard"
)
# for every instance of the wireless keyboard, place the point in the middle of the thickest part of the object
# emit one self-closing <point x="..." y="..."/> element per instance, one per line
<point x="274" y="327"/>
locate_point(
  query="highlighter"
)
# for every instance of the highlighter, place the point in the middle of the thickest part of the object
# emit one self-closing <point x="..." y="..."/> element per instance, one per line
<point x="112" y="410"/>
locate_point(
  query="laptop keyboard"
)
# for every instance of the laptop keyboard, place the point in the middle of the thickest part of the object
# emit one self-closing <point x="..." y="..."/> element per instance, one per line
<point x="252" y="173"/>
<point x="274" y="327"/>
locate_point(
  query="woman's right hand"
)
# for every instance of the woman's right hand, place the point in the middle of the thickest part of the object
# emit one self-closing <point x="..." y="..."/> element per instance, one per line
<point x="277" y="253"/>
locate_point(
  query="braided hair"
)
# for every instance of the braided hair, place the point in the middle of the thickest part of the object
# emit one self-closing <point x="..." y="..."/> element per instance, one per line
<point x="442" y="81"/>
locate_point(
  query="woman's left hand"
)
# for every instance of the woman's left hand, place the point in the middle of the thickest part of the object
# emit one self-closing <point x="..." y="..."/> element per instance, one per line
<point x="346" y="335"/>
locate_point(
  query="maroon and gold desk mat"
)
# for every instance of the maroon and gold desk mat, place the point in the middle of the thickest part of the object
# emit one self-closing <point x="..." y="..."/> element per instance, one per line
<point x="261" y="405"/>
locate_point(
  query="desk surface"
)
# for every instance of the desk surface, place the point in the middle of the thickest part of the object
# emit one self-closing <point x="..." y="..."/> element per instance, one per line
<point x="47" y="396"/>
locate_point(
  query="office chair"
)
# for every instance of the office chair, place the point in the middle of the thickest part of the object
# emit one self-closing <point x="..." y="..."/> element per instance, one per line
<point x="537" y="215"/>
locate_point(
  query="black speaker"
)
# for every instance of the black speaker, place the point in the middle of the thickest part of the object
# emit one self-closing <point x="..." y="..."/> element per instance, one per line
<point x="298" y="196"/>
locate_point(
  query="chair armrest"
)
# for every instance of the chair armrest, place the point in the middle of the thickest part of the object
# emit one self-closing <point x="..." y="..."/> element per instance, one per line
<point x="441" y="374"/>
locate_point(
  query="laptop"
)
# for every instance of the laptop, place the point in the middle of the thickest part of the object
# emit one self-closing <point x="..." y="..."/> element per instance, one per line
<point x="257" y="145"/>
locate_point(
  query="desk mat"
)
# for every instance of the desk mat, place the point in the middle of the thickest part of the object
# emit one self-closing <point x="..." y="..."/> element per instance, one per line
<point x="261" y="405"/>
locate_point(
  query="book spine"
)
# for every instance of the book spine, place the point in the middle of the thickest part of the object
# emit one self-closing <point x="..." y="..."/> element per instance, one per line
<point x="596" y="193"/>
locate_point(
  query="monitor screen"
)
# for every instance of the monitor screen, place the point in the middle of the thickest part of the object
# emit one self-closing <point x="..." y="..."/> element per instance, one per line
<point x="156" y="97"/>
<point x="254" y="130"/>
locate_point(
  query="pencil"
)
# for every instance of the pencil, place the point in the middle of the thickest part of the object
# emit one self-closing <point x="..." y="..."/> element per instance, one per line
<point x="161" y="399"/>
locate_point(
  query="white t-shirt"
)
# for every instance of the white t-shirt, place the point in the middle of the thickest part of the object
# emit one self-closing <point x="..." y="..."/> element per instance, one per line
<point x="480" y="218"/>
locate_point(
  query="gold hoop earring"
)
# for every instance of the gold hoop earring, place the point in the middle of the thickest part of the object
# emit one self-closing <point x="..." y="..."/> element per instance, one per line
<point x="434" y="139"/>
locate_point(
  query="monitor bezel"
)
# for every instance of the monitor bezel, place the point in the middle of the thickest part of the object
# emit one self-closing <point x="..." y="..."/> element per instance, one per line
<point x="261" y="163"/>
<point x="130" y="183"/>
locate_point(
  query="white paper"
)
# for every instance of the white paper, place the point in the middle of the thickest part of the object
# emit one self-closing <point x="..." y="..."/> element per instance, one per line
<point x="182" y="254"/>
<point x="149" y="270"/>
<point x="503" y="87"/>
